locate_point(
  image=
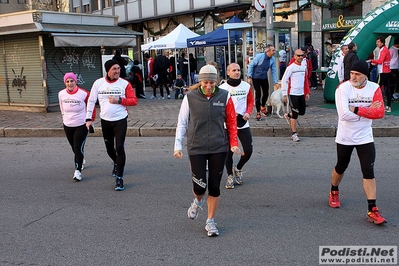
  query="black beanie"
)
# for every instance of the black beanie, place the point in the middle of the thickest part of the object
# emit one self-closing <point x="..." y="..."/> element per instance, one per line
<point x="361" y="66"/>
<point x="109" y="64"/>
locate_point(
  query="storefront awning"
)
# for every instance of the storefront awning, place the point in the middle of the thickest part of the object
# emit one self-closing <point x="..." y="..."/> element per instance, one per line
<point x="85" y="40"/>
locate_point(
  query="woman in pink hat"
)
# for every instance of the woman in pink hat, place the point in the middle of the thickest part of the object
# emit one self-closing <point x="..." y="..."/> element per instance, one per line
<point x="73" y="102"/>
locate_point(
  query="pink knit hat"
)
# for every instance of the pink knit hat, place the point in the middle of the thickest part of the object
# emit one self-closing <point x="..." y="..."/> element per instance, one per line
<point x="70" y="75"/>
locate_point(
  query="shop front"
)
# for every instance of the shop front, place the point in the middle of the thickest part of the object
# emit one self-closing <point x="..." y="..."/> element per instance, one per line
<point x="39" y="47"/>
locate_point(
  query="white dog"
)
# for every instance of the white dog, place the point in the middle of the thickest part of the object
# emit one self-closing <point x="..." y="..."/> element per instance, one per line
<point x="276" y="100"/>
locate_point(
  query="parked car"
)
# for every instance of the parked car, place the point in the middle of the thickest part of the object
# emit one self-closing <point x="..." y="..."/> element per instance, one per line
<point x="105" y="58"/>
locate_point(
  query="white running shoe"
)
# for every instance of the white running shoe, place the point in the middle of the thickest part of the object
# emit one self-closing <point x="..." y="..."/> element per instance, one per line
<point x="77" y="175"/>
<point x="237" y="175"/>
<point x="83" y="164"/>
<point x="295" y="137"/>
<point x="229" y="182"/>
<point x="193" y="210"/>
<point x="210" y="227"/>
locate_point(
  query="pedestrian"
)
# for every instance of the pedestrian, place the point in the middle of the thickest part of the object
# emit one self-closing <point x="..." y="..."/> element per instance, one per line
<point x="295" y="89"/>
<point x="137" y="79"/>
<point x="243" y="99"/>
<point x="203" y="115"/>
<point x="183" y="67"/>
<point x="193" y="67"/>
<point x="114" y="94"/>
<point x="73" y="105"/>
<point x="394" y="65"/>
<point x="179" y="85"/>
<point x="161" y="68"/>
<point x="383" y="63"/>
<point x="151" y="76"/>
<point x="283" y="61"/>
<point x="257" y="76"/>
<point x="340" y="62"/>
<point x="358" y="102"/>
<point x="121" y="61"/>
<point x="349" y="59"/>
<point x="312" y="57"/>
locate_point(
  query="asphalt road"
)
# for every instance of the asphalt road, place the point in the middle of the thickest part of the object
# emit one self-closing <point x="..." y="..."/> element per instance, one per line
<point x="280" y="216"/>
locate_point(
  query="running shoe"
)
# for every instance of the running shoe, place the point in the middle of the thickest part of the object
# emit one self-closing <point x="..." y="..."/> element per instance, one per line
<point x="288" y="119"/>
<point x="83" y="164"/>
<point x="168" y="96"/>
<point x="119" y="184"/>
<point x="258" y="117"/>
<point x="263" y="111"/>
<point x="152" y="97"/>
<point x="375" y="217"/>
<point x="237" y="175"/>
<point x="114" y="170"/>
<point x="210" y="227"/>
<point x="77" y="176"/>
<point x="193" y="210"/>
<point x="229" y="182"/>
<point x="388" y="109"/>
<point x="334" y="199"/>
<point x="295" y="137"/>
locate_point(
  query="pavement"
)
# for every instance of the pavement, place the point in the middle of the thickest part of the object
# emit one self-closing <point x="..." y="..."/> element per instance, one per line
<point x="157" y="117"/>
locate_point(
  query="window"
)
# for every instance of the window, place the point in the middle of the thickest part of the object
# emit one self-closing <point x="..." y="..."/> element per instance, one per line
<point x="22" y="2"/>
<point x="3" y="1"/>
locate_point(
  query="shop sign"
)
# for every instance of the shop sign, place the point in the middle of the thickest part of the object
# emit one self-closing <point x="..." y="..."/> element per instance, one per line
<point x="340" y="23"/>
<point x="392" y="25"/>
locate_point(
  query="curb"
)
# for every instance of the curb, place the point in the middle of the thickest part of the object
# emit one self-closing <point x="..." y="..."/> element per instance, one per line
<point x="170" y="132"/>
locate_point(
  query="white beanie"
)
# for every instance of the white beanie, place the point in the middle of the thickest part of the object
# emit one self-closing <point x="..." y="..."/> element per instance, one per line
<point x="208" y="73"/>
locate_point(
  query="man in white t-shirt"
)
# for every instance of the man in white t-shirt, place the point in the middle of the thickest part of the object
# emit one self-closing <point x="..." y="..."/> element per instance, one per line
<point x="358" y="102"/>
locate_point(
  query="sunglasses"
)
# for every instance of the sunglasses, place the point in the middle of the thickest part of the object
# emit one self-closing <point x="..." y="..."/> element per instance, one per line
<point x="300" y="55"/>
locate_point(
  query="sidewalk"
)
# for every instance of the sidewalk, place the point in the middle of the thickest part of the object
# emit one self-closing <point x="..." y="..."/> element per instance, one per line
<point x="152" y="118"/>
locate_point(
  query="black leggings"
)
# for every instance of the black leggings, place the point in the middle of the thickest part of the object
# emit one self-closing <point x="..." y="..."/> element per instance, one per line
<point x="298" y="105"/>
<point x="366" y="154"/>
<point x="115" y="130"/>
<point x="198" y="171"/>
<point x="245" y="137"/>
<point x="385" y="80"/>
<point x="77" y="138"/>
<point x="258" y="84"/>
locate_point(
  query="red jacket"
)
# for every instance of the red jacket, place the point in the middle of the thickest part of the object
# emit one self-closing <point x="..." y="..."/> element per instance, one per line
<point x="384" y="61"/>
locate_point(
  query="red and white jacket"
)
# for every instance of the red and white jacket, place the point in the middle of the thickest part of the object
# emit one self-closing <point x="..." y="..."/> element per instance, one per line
<point x="383" y="61"/>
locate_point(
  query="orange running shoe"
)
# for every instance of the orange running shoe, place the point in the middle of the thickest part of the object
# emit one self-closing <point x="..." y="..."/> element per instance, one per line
<point x="258" y="118"/>
<point x="334" y="199"/>
<point x="264" y="111"/>
<point x="375" y="217"/>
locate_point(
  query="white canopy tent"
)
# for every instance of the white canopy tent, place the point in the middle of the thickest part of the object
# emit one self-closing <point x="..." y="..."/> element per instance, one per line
<point x="176" y="39"/>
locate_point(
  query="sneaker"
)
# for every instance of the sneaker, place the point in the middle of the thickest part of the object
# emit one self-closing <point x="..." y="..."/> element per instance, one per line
<point x="313" y="88"/>
<point x="162" y="98"/>
<point x="258" y="118"/>
<point x="229" y="182"/>
<point x="77" y="176"/>
<point x="237" y="175"/>
<point x="193" y="210"/>
<point x="168" y="96"/>
<point x="263" y="110"/>
<point x="142" y="96"/>
<point x="334" y="199"/>
<point x="388" y="109"/>
<point x="295" y="137"/>
<point x="288" y="119"/>
<point x="210" y="227"/>
<point x="375" y="217"/>
<point x="115" y="170"/>
<point x="83" y="164"/>
<point x="119" y="184"/>
<point x="152" y="97"/>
